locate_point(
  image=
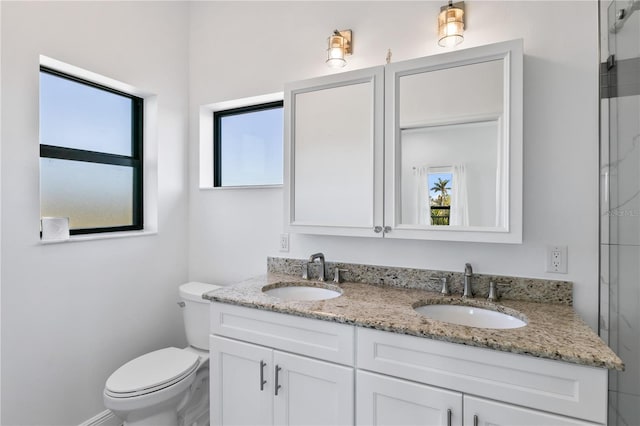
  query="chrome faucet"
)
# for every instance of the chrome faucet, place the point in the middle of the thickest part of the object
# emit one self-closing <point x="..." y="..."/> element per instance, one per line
<point x="468" y="274"/>
<point x="320" y="257"/>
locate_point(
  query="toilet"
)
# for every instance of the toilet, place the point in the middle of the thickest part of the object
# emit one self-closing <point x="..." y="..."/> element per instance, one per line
<point x="170" y="386"/>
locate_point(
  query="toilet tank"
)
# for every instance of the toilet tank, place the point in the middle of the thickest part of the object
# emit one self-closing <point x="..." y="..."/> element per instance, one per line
<point x="196" y="313"/>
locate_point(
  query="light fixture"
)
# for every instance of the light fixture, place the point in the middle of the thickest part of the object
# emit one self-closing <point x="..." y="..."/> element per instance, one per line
<point x="340" y="45"/>
<point x="451" y="24"/>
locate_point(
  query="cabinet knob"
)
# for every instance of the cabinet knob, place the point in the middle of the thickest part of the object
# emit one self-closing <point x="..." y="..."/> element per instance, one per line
<point x="387" y="229"/>
<point x="377" y="229"/>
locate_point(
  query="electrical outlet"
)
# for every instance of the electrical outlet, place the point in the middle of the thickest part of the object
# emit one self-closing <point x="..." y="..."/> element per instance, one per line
<point x="557" y="259"/>
<point x="284" y="242"/>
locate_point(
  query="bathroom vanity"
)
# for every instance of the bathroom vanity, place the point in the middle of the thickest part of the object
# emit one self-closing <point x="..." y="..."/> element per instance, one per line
<point x="368" y="358"/>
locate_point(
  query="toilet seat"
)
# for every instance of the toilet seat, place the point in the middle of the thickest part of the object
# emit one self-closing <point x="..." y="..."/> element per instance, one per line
<point x="151" y="372"/>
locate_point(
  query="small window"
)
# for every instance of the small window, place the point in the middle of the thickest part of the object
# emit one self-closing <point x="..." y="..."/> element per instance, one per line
<point x="90" y="154"/>
<point x="247" y="145"/>
<point x="440" y="196"/>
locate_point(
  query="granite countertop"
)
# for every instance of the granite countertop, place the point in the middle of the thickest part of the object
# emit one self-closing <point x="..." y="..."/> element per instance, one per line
<point x="553" y="331"/>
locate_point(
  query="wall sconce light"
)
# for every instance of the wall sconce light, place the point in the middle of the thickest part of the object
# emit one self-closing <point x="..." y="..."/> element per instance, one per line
<point x="340" y="45"/>
<point x="451" y="24"/>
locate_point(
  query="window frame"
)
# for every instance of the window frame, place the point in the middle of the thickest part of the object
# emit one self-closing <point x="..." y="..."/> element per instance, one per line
<point x="135" y="160"/>
<point x="217" y="137"/>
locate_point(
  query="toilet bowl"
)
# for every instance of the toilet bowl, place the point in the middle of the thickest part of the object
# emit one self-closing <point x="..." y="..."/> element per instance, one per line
<point x="170" y="386"/>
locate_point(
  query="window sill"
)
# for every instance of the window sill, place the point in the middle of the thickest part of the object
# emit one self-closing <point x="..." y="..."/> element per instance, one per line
<point x="101" y="236"/>
<point x="216" y="188"/>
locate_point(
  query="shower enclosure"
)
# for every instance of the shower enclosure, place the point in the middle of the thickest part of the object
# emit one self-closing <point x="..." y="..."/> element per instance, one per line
<point x="620" y="201"/>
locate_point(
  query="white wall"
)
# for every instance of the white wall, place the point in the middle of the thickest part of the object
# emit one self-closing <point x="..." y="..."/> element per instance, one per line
<point x="248" y="48"/>
<point x="72" y="313"/>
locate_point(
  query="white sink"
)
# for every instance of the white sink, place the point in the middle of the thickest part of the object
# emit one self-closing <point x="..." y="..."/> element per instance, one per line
<point x="302" y="292"/>
<point x="471" y="316"/>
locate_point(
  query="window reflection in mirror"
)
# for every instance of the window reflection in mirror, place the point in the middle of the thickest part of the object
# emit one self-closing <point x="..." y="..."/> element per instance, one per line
<point x="439" y="183"/>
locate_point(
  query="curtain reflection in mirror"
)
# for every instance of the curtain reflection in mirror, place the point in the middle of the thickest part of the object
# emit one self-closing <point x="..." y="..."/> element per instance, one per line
<point x="459" y="214"/>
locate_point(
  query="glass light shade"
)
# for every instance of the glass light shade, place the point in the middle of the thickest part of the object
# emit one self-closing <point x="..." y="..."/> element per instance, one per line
<point x="335" y="52"/>
<point x="450" y="27"/>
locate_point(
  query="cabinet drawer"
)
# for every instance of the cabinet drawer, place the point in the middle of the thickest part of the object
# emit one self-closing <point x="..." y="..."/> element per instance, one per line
<point x="554" y="386"/>
<point x="319" y="339"/>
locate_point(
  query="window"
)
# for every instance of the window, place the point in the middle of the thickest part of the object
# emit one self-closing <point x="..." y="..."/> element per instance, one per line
<point x="439" y="183"/>
<point x="90" y="154"/>
<point x="247" y="145"/>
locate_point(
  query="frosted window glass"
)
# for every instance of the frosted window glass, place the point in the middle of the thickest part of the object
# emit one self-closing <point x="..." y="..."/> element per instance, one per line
<point x="91" y="195"/>
<point x="251" y="145"/>
<point x="75" y="115"/>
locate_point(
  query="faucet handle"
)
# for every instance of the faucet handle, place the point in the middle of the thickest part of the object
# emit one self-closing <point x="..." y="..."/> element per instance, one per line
<point x="444" y="282"/>
<point x="337" y="277"/>
<point x="493" y="292"/>
<point x="305" y="271"/>
<point x="445" y="287"/>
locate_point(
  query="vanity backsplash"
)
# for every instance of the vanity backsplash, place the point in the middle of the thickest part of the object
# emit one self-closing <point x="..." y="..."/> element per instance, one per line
<point x="511" y="288"/>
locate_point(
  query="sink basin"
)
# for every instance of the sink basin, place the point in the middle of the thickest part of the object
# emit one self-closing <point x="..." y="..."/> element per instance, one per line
<point x="471" y="316"/>
<point x="302" y="291"/>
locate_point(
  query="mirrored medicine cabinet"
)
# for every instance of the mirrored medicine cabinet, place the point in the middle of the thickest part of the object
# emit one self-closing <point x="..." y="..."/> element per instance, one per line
<point x="429" y="148"/>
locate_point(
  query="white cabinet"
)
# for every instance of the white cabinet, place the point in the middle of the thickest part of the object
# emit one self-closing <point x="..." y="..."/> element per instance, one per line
<point x="270" y="368"/>
<point x="541" y="385"/>
<point x="239" y="395"/>
<point x="254" y="385"/>
<point x="260" y="376"/>
<point x="482" y="412"/>
<point x="457" y="118"/>
<point x="387" y="401"/>
<point x="312" y="392"/>
<point x="362" y="146"/>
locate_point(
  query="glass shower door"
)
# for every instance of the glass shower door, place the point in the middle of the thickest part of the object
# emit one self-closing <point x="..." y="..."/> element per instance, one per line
<point x="620" y="202"/>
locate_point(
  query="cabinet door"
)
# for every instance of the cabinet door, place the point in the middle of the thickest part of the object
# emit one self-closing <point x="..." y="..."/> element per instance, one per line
<point x="312" y="392"/>
<point x="482" y="412"/>
<point x="385" y="401"/>
<point x="238" y="395"/>
<point x="454" y="169"/>
<point x="333" y="170"/>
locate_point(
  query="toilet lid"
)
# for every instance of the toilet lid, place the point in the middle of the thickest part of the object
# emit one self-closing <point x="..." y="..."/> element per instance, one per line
<point x="152" y="370"/>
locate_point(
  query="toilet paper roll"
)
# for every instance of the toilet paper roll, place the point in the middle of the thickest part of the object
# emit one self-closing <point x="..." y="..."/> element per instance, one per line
<point x="55" y="228"/>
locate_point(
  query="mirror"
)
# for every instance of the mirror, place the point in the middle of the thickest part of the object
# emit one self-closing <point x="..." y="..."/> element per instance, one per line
<point x="333" y="150"/>
<point x="451" y="142"/>
<point x="333" y="154"/>
<point x="454" y="145"/>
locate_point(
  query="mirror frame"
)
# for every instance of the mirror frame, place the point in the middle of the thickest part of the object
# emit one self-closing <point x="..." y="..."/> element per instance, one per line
<point x="511" y="52"/>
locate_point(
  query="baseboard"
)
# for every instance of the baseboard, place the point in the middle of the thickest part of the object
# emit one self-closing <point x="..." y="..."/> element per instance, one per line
<point x="106" y="418"/>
